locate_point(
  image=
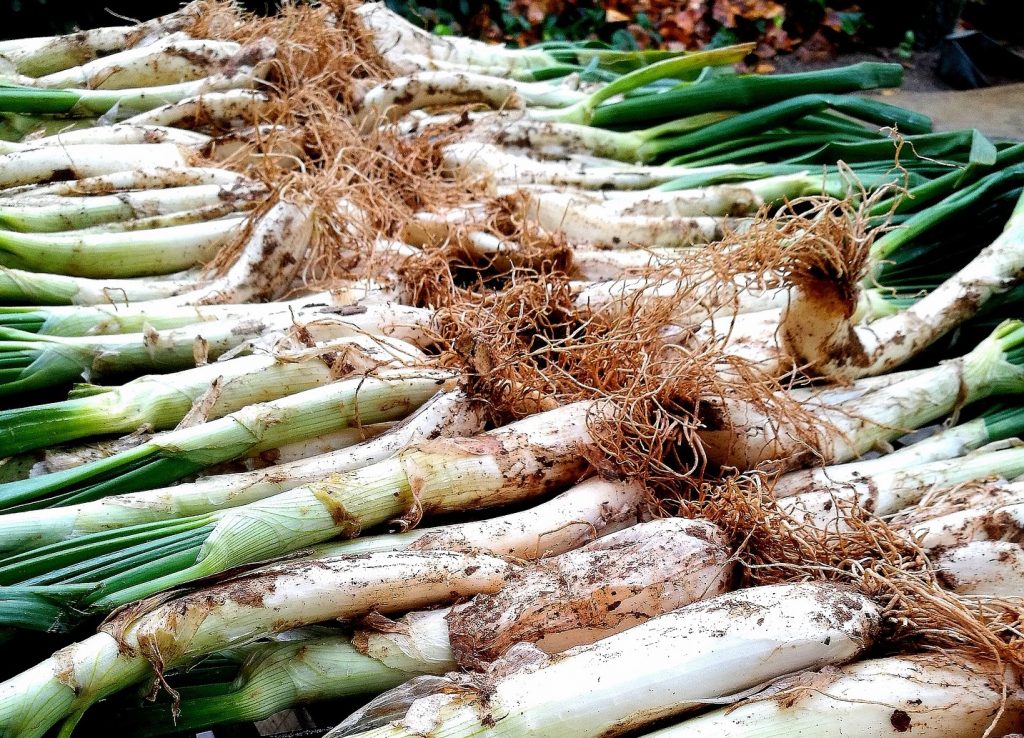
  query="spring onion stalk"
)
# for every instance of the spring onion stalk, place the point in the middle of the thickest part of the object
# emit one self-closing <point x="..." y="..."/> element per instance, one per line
<point x="68" y="213"/>
<point x="47" y="163"/>
<point x="743" y="92"/>
<point x="47" y="54"/>
<point x="647" y="570"/>
<point x="888" y="492"/>
<point x="819" y="333"/>
<point x="577" y="213"/>
<point x="228" y="109"/>
<point x="148" y="639"/>
<point x="509" y="464"/>
<point x="742" y="436"/>
<point x="102" y="320"/>
<point x="988" y="569"/>
<point x="21" y="287"/>
<point x="991" y="511"/>
<point x="447" y="414"/>
<point x="125" y="102"/>
<point x="170" y="60"/>
<point x="656" y="567"/>
<point x="112" y="254"/>
<point x="992" y="427"/>
<point x="388" y="395"/>
<point x="398" y="39"/>
<point x="159" y="402"/>
<point x="410" y="49"/>
<point x="667" y="666"/>
<point x="115" y="134"/>
<point x="141" y="177"/>
<point x="202" y="214"/>
<point x="504" y="167"/>
<point x="588" y="510"/>
<point x="31" y="361"/>
<point x="71" y="457"/>
<point x="932" y="695"/>
<point x="547" y="139"/>
<point x="595" y="225"/>
<point x="270" y="258"/>
<point x="402" y="95"/>
<point x="273" y="677"/>
<point x="98" y="320"/>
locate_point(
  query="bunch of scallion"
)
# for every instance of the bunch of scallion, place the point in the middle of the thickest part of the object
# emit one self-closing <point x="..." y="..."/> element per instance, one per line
<point x="320" y="317"/>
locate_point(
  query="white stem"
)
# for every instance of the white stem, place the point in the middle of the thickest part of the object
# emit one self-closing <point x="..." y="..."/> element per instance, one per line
<point x="173" y="59"/>
<point x="925" y="696"/>
<point x="886" y="492"/>
<point x="585" y="511"/>
<point x="500" y="166"/>
<point x="142" y="177"/>
<point x="18" y="286"/>
<point x="741" y="435"/>
<point x="120" y="133"/>
<point x="448" y="414"/>
<point x="950" y="443"/>
<point x="47" y="163"/>
<point x="983" y="569"/>
<point x="669" y="665"/>
<point x="617" y="582"/>
<point x="818" y="334"/>
<point x="399" y="40"/>
<point x="397" y="97"/>
<point x="66" y="212"/>
<point x="238" y="611"/>
<point x="229" y="109"/>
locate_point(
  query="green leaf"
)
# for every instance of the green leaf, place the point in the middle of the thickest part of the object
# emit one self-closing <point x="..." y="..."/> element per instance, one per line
<point x="723" y="37"/>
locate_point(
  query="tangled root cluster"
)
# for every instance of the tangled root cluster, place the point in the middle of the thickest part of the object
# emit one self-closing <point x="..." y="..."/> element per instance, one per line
<point x="510" y="321"/>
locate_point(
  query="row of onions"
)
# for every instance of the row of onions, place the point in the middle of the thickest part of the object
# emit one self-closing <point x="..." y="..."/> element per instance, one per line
<point x="504" y="392"/>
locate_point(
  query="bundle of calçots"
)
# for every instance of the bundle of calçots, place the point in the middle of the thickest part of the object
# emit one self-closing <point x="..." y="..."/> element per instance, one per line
<point x="513" y="392"/>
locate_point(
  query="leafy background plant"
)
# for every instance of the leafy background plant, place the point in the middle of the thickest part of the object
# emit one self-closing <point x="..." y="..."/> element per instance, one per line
<point x="813" y="28"/>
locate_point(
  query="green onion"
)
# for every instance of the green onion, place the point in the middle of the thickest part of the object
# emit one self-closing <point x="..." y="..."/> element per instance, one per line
<point x="669" y="665"/>
<point x="172" y="59"/>
<point x="448" y="413"/>
<point x="78" y="103"/>
<point x="853" y="428"/>
<point x="659" y="565"/>
<point x="159" y="402"/>
<point x="42" y="696"/>
<point x="18" y="286"/>
<point x="127" y="254"/>
<point x="995" y="424"/>
<point x="67" y="213"/>
<point x="930" y="695"/>
<point x="258" y="427"/>
<point x="746" y="92"/>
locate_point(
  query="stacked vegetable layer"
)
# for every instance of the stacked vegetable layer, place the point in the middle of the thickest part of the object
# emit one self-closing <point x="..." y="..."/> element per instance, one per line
<point x="720" y="374"/>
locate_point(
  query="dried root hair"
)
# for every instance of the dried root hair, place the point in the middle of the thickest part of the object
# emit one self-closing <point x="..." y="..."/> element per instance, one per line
<point x="325" y="60"/>
<point x="447" y="268"/>
<point x="531" y="347"/>
<point x="868" y="554"/>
